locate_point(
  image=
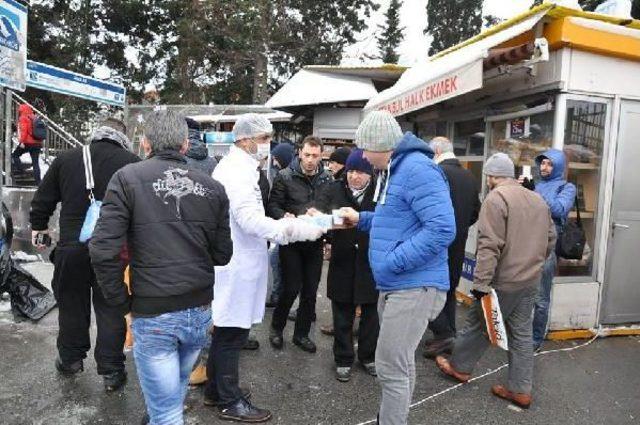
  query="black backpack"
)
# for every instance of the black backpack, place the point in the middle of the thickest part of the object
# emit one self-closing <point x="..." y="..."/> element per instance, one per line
<point x="571" y="241"/>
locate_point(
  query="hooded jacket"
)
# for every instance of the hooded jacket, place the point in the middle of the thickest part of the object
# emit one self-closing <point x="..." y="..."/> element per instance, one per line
<point x="559" y="195"/>
<point x="413" y="223"/>
<point x="25" y="126"/>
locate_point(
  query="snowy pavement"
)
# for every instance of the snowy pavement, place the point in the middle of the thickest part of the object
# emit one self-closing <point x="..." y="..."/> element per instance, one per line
<point x="597" y="384"/>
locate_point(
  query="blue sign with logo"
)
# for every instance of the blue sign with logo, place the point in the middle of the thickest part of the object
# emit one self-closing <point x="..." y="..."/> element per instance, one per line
<point x="468" y="267"/>
<point x="13" y="44"/>
<point x="47" y="77"/>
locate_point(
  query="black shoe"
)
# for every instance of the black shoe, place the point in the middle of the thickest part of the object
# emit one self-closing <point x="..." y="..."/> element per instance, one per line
<point x="305" y="344"/>
<point x="213" y="401"/>
<point x="115" y="380"/>
<point x="438" y="347"/>
<point x="276" y="340"/>
<point x="243" y="411"/>
<point x="70" y="369"/>
<point x="251" y="344"/>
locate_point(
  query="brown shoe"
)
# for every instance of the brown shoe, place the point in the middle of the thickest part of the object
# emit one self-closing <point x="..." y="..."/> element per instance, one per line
<point x="327" y="330"/>
<point x="447" y="369"/>
<point x="198" y="375"/>
<point x="519" y="399"/>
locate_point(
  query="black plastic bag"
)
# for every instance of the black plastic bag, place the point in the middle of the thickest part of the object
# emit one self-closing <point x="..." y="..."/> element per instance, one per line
<point x="28" y="297"/>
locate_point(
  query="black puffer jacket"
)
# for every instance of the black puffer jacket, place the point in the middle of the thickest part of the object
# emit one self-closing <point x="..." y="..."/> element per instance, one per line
<point x="350" y="279"/>
<point x="294" y="192"/>
<point x="176" y="223"/>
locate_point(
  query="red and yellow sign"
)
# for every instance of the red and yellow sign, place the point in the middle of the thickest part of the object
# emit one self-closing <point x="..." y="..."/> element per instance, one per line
<point x="460" y="81"/>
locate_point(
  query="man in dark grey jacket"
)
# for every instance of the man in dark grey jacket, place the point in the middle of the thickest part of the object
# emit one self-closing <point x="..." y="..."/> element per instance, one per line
<point x="175" y="221"/>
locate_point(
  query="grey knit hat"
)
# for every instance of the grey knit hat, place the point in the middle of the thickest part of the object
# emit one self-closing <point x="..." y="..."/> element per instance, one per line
<point x="499" y="165"/>
<point x="378" y="132"/>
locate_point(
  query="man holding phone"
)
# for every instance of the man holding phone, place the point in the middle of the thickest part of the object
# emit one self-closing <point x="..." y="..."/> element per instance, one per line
<point x="73" y="277"/>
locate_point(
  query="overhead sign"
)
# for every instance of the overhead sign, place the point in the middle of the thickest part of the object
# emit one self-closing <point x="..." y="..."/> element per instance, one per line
<point x="13" y="44"/>
<point x="47" y="77"/>
<point x="455" y="83"/>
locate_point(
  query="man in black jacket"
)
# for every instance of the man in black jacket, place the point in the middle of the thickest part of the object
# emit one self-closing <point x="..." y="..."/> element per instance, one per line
<point x="466" y="206"/>
<point x="294" y="191"/>
<point x="175" y="221"/>
<point x="73" y="278"/>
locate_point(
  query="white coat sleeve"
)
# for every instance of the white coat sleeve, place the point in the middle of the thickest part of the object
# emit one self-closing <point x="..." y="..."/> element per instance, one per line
<point x="247" y="210"/>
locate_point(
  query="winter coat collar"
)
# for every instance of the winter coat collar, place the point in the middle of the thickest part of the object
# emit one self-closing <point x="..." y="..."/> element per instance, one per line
<point x="112" y="135"/>
<point x="168" y="155"/>
<point x="447" y="156"/>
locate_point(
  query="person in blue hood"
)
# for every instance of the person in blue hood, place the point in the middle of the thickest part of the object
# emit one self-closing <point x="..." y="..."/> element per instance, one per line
<point x="560" y="196"/>
<point x="410" y="230"/>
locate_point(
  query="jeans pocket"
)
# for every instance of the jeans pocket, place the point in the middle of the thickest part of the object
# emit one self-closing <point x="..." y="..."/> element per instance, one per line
<point x="153" y="333"/>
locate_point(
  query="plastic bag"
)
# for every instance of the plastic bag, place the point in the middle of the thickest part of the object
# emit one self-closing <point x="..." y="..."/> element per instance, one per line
<point x="495" y="323"/>
<point x="28" y="297"/>
<point x="90" y="220"/>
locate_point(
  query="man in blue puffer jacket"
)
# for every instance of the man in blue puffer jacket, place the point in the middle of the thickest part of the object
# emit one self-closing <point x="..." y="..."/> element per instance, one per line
<point x="410" y="230"/>
<point x="560" y="197"/>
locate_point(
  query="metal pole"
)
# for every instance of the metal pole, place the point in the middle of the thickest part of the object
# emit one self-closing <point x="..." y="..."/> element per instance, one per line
<point x="7" y="136"/>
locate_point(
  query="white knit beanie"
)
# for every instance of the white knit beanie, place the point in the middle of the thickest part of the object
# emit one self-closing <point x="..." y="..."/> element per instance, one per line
<point x="378" y="132"/>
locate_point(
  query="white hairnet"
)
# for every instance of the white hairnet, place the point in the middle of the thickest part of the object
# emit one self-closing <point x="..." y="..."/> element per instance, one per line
<point x="248" y="126"/>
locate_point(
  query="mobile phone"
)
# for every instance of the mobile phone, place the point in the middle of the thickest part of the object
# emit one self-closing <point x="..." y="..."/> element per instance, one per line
<point x="43" y="239"/>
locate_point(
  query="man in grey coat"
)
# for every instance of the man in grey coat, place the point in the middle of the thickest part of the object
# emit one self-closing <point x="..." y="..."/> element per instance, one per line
<point x="511" y="265"/>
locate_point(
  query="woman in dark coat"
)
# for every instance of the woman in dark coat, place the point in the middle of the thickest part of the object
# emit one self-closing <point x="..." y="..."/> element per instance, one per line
<point x="350" y="281"/>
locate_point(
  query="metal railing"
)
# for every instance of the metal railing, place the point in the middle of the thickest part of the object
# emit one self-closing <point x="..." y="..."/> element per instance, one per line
<point x="58" y="139"/>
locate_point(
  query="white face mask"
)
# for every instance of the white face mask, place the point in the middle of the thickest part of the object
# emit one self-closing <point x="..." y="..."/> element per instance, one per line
<point x="263" y="151"/>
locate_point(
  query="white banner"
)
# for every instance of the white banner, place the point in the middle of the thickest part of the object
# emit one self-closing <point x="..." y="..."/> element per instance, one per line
<point x="13" y="45"/>
<point x="455" y="83"/>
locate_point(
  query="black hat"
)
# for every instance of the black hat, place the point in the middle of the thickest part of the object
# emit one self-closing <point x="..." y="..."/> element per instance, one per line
<point x="340" y="155"/>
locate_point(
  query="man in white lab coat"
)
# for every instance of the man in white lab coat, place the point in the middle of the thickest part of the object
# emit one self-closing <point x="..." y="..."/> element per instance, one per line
<point x="240" y="288"/>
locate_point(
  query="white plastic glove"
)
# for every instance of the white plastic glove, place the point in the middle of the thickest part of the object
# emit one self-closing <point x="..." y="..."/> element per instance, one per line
<point x="297" y="230"/>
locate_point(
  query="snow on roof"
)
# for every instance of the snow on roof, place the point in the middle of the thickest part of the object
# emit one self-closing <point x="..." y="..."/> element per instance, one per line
<point x="308" y="87"/>
<point x="275" y="116"/>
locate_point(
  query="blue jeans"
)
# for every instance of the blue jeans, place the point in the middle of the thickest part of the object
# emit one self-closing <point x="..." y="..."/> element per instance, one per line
<point x="165" y="349"/>
<point x="541" y="308"/>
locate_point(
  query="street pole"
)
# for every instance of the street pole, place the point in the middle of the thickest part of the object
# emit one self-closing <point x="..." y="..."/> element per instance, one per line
<point x="8" y="95"/>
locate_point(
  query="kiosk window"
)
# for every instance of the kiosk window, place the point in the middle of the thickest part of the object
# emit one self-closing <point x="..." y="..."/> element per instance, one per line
<point x="522" y="138"/>
<point x="468" y="138"/>
<point x="429" y="129"/>
<point x="583" y="147"/>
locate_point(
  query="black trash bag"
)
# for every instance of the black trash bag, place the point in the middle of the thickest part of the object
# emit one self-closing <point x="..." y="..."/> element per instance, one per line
<point x="28" y="297"/>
